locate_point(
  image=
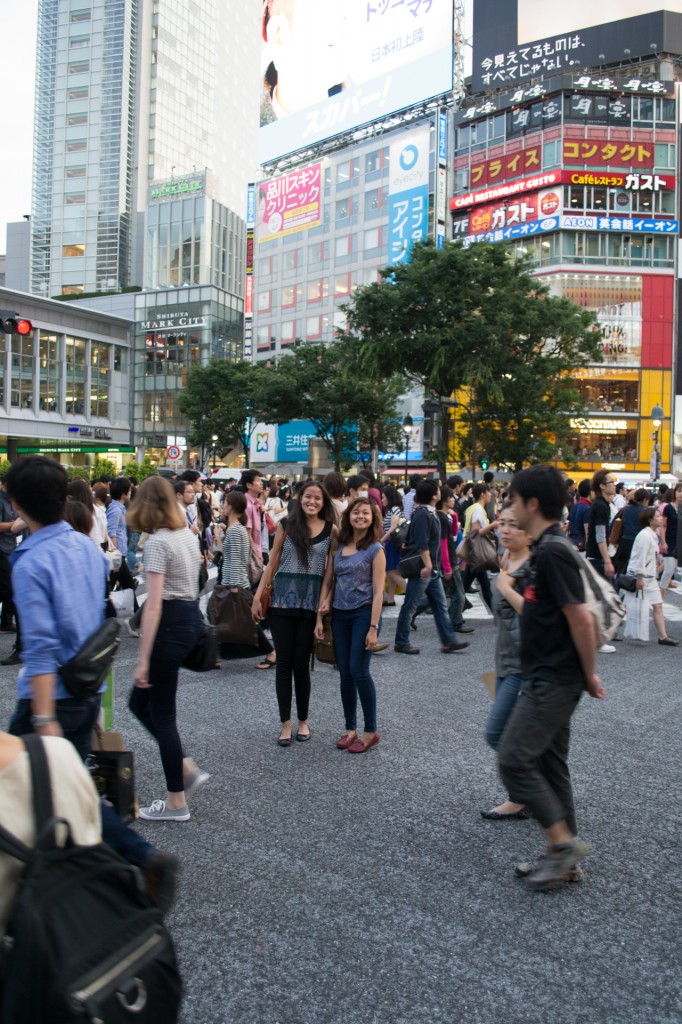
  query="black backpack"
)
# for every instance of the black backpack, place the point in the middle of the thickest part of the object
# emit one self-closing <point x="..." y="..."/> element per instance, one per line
<point x="84" y="943"/>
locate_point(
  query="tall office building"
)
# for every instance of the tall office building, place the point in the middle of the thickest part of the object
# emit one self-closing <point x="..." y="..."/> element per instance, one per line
<point x="130" y="92"/>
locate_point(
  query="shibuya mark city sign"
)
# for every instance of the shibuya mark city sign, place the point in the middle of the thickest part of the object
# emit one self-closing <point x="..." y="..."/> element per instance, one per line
<point x="172" y="319"/>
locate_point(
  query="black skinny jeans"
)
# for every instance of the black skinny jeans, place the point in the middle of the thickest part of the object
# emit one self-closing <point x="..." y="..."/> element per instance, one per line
<point x="155" y="708"/>
<point x="293" y="638"/>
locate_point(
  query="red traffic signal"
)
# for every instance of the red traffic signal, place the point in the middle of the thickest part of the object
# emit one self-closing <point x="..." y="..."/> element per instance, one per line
<point x="12" y="323"/>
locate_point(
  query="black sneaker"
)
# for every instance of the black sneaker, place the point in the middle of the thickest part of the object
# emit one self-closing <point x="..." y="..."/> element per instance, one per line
<point x="13" y="658"/>
<point x="452" y="648"/>
<point x="406" y="649"/>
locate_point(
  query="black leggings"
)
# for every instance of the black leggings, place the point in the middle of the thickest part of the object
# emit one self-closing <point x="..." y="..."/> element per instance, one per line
<point x="293" y="639"/>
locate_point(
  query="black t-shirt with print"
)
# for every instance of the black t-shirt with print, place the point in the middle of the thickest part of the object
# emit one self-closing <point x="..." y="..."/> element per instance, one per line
<point x="547" y="649"/>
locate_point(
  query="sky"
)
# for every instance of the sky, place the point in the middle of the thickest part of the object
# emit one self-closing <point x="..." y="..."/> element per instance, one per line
<point x="17" y="76"/>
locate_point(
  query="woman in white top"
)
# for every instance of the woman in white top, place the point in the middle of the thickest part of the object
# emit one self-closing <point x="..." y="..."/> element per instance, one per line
<point x="644" y="564"/>
<point x="171" y="626"/>
<point x="79" y="490"/>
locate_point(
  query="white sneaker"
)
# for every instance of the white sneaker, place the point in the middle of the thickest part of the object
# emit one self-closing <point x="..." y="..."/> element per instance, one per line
<point x="606" y="649"/>
<point x="157" y="811"/>
<point x="194" y="784"/>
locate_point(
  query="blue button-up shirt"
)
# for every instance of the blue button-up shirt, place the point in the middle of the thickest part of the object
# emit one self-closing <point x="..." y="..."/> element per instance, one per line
<point x="59" y="582"/>
<point x="116" y="524"/>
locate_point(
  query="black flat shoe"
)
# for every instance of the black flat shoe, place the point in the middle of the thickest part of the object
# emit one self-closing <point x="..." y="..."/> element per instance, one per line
<point x="303" y="737"/>
<point x="521" y="815"/>
<point x="284" y="741"/>
<point x="667" y="641"/>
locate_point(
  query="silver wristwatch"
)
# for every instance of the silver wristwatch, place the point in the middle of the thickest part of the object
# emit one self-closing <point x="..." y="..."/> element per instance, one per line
<point x="38" y="721"/>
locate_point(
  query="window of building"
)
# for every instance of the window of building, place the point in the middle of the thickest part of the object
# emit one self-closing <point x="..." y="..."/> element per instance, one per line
<point x="23" y="347"/>
<point x="79" y="67"/>
<point x="48" y="372"/>
<point x="372" y="239"/>
<point x="76" y="146"/>
<point x="341" y="286"/>
<point x="263" y="337"/>
<point x="75" y="172"/>
<point x="74" y="198"/>
<point x="290" y="295"/>
<point x="664" y="155"/>
<point x="84" y="14"/>
<point x="290" y="259"/>
<point x="76" y="349"/>
<point x="100" y="380"/>
<point x="78" y="42"/>
<point x="344" y="208"/>
<point x="373" y="161"/>
<point x="316" y="290"/>
<point x="313" y="327"/>
<point x="120" y="359"/>
<point x="287" y="332"/>
<point x="642" y="111"/>
<point x="552" y="154"/>
<point x="81" y="93"/>
<point x="665" y="110"/>
<point x="72" y="289"/>
<point x="77" y="119"/>
<point x="347" y="172"/>
<point x="76" y="249"/>
<point x="264" y="301"/>
<point x="342" y="246"/>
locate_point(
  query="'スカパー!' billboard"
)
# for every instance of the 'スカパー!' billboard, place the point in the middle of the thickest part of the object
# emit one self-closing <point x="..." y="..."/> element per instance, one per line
<point x="518" y="40"/>
<point x="331" y="65"/>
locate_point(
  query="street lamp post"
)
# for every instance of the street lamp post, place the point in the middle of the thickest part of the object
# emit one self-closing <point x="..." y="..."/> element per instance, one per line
<point x="214" y="445"/>
<point x="407" y="430"/>
<point x="657" y="415"/>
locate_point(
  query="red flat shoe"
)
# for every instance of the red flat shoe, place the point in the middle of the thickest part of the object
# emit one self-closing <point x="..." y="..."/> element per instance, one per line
<point x="345" y="741"/>
<point x="361" y="748"/>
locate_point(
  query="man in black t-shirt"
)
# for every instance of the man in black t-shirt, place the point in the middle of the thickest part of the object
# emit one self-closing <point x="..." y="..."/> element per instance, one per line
<point x="558" y="647"/>
<point x="597" y="550"/>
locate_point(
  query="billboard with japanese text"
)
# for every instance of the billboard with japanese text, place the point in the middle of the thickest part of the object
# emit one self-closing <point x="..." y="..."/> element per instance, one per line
<point x="331" y="66"/>
<point x="518" y="40"/>
<point x="289" y="203"/>
<point x="408" y="194"/>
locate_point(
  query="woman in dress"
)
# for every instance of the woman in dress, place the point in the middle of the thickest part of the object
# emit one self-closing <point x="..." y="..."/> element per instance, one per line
<point x="507" y="607"/>
<point x="295" y="572"/>
<point x="171" y="626"/>
<point x="644" y="564"/>
<point x="670" y="508"/>
<point x="359" y="570"/>
<point x="392" y="508"/>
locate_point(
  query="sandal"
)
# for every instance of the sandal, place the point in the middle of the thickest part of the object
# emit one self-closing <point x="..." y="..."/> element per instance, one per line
<point x="266" y="664"/>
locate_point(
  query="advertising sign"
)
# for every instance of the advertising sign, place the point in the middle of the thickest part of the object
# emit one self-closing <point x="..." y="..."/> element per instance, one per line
<point x="408" y="194"/>
<point x="533" y="206"/>
<point x="617" y="301"/>
<point x="605" y="153"/>
<point x="517" y="40"/>
<point x="501" y="168"/>
<point x="263" y="446"/>
<point x="646" y="225"/>
<point x="634" y="182"/>
<point x="331" y="66"/>
<point x="292" y="441"/>
<point x="288" y="204"/>
<point x="536" y="227"/>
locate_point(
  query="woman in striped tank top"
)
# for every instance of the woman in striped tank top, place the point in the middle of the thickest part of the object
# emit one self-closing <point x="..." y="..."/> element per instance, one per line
<point x="299" y="556"/>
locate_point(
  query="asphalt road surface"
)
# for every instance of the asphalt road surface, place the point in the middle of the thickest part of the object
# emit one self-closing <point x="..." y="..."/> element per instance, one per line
<point x="324" y="888"/>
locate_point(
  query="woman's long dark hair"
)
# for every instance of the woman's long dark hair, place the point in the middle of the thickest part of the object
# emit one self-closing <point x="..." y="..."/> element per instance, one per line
<point x="296" y="525"/>
<point x="392" y="497"/>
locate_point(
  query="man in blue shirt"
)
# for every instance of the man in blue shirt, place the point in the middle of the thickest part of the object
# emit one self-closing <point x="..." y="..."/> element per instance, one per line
<point x="119" y="489"/>
<point x="59" y="579"/>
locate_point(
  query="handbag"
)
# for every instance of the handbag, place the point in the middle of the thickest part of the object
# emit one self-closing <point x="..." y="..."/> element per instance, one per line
<point x="625" y="581"/>
<point x="266" y="596"/>
<point x="254" y="567"/>
<point x="324" y="649"/>
<point x="270" y="524"/>
<point x="398" y="537"/>
<point x="204" y="654"/>
<point x="113" y="772"/>
<point x="616" y="530"/>
<point x="479" y="552"/>
<point x="124" y="602"/>
<point x="230" y="613"/>
<point x="411" y="562"/>
<point x="83" y="674"/>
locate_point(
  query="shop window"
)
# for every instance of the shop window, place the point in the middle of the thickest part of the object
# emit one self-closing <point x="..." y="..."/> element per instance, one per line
<point x="120" y="359"/>
<point x="23" y="348"/>
<point x="100" y="380"/>
<point x="76" y="349"/>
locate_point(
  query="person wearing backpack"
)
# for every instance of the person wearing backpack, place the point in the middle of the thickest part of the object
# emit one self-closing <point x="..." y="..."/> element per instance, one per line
<point x="558" y="653"/>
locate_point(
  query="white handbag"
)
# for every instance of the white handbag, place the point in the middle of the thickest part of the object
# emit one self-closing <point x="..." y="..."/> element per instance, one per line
<point x="124" y="602"/>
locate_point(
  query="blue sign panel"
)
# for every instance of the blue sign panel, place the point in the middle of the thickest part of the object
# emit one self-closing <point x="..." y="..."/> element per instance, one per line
<point x="292" y="440"/>
<point x="408" y="195"/>
<point x="442" y="137"/>
<point x="536" y="227"/>
<point x="650" y="225"/>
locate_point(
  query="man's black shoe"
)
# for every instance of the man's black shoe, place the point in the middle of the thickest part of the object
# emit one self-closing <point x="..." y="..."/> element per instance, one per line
<point x="161" y="873"/>
<point x="451" y="648"/>
<point x="13" y="658"/>
<point x="463" y="628"/>
<point x="467" y="605"/>
<point x="406" y="649"/>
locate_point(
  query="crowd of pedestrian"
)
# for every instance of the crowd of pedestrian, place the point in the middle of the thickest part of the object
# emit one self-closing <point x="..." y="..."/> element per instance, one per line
<point x="319" y="562"/>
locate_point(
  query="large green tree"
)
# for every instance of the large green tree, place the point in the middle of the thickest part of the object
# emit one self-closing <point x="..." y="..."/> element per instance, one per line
<point x="353" y="411"/>
<point x="476" y="318"/>
<point x="227" y="399"/>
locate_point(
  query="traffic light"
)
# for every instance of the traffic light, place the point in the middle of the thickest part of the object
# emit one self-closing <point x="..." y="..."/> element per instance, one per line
<point x="12" y="323"/>
<point x="485" y="462"/>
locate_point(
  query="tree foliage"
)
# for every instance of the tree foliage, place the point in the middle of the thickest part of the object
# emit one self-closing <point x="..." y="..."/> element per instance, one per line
<point x="141" y="470"/>
<point x="227" y="399"/>
<point x="353" y="411"/>
<point x="476" y="318"/>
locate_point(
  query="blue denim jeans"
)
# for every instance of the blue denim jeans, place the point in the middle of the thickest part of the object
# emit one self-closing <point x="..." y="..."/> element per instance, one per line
<point x="506" y="692"/>
<point x="76" y="717"/>
<point x="432" y="589"/>
<point x="350" y="628"/>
